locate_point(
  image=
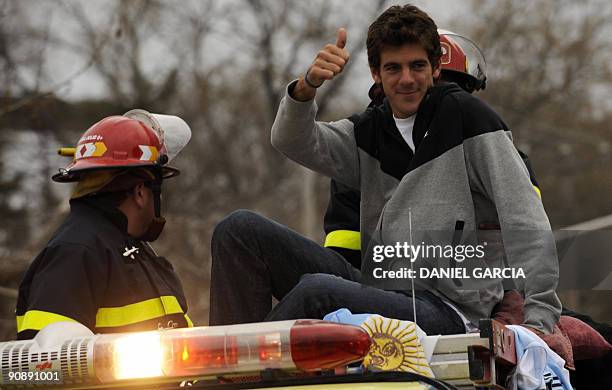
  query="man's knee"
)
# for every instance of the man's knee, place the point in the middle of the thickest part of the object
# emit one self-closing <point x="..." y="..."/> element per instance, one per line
<point x="318" y="286"/>
<point x="234" y="224"/>
<point x="318" y="294"/>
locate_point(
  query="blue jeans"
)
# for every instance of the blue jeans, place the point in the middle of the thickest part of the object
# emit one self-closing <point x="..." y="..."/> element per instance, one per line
<point x="255" y="258"/>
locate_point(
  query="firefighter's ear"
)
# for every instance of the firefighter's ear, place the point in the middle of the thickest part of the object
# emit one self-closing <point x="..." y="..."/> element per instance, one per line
<point x="139" y="194"/>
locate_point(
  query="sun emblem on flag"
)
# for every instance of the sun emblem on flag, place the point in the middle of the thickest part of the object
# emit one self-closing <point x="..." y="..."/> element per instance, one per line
<point x="395" y="346"/>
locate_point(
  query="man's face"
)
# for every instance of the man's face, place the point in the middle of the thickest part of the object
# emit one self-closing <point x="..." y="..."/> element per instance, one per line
<point x="405" y="74"/>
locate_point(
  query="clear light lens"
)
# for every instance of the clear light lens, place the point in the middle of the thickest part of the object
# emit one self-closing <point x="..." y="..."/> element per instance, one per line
<point x="138" y="356"/>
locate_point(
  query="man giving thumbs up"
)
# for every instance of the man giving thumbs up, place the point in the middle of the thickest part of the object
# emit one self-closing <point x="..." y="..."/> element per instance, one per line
<point x="330" y="61"/>
<point x="430" y="159"/>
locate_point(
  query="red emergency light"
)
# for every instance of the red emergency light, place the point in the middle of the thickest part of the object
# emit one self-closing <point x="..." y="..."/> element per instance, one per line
<point x="179" y="353"/>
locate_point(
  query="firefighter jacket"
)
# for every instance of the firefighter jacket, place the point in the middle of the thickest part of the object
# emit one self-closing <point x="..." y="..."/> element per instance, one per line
<point x="94" y="273"/>
<point x="341" y="222"/>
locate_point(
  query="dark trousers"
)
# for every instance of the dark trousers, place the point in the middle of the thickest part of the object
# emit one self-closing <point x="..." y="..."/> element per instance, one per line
<point x="255" y="258"/>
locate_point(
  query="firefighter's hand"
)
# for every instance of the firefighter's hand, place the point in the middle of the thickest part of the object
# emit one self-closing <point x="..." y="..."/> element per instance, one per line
<point x="329" y="62"/>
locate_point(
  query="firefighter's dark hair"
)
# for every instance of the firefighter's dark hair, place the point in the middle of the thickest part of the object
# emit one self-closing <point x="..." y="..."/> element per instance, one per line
<point x="122" y="186"/>
<point x="110" y="199"/>
<point x="400" y="25"/>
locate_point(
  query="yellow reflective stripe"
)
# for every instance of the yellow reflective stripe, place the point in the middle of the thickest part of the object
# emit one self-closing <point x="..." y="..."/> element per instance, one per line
<point x="189" y="322"/>
<point x="537" y="190"/>
<point x="137" y="312"/>
<point x="348" y="239"/>
<point x="38" y="319"/>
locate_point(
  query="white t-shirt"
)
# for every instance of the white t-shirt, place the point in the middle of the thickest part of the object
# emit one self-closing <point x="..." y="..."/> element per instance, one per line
<point x="405" y="127"/>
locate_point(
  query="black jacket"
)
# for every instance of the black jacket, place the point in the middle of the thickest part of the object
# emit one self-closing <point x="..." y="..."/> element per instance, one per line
<point x="94" y="273"/>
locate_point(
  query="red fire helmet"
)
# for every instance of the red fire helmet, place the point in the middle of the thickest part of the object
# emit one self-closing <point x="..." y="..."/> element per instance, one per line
<point x="462" y="61"/>
<point x="117" y="142"/>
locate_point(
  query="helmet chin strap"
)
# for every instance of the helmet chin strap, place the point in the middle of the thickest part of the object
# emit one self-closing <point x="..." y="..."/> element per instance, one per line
<point x="155" y="230"/>
<point x="157" y="225"/>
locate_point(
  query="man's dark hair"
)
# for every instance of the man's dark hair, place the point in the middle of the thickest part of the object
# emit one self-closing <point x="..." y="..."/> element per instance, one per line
<point x="400" y="25"/>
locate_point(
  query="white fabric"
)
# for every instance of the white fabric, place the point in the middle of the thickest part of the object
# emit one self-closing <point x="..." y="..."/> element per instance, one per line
<point x="405" y="127"/>
<point x="536" y="363"/>
<point x="429" y="345"/>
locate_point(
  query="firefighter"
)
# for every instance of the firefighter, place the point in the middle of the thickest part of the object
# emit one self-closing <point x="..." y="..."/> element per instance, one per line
<point x="462" y="63"/>
<point x="98" y="268"/>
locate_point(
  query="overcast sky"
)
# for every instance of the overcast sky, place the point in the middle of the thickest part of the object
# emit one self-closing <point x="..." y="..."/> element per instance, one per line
<point x="63" y="65"/>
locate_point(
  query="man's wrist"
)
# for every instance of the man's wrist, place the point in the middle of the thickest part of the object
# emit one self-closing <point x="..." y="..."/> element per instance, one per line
<point x="301" y="91"/>
<point x="310" y="83"/>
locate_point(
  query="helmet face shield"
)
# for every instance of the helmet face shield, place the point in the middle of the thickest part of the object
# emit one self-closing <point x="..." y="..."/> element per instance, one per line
<point x="173" y="132"/>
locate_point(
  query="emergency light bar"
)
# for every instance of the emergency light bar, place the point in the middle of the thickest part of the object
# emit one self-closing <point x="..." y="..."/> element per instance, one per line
<point x="179" y="354"/>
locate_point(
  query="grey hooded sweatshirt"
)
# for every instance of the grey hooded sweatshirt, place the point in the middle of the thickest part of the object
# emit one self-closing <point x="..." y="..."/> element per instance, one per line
<point x="465" y="184"/>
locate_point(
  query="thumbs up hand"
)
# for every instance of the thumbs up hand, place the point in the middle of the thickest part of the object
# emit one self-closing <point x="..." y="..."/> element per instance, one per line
<point x="341" y="38"/>
<point x="329" y="62"/>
